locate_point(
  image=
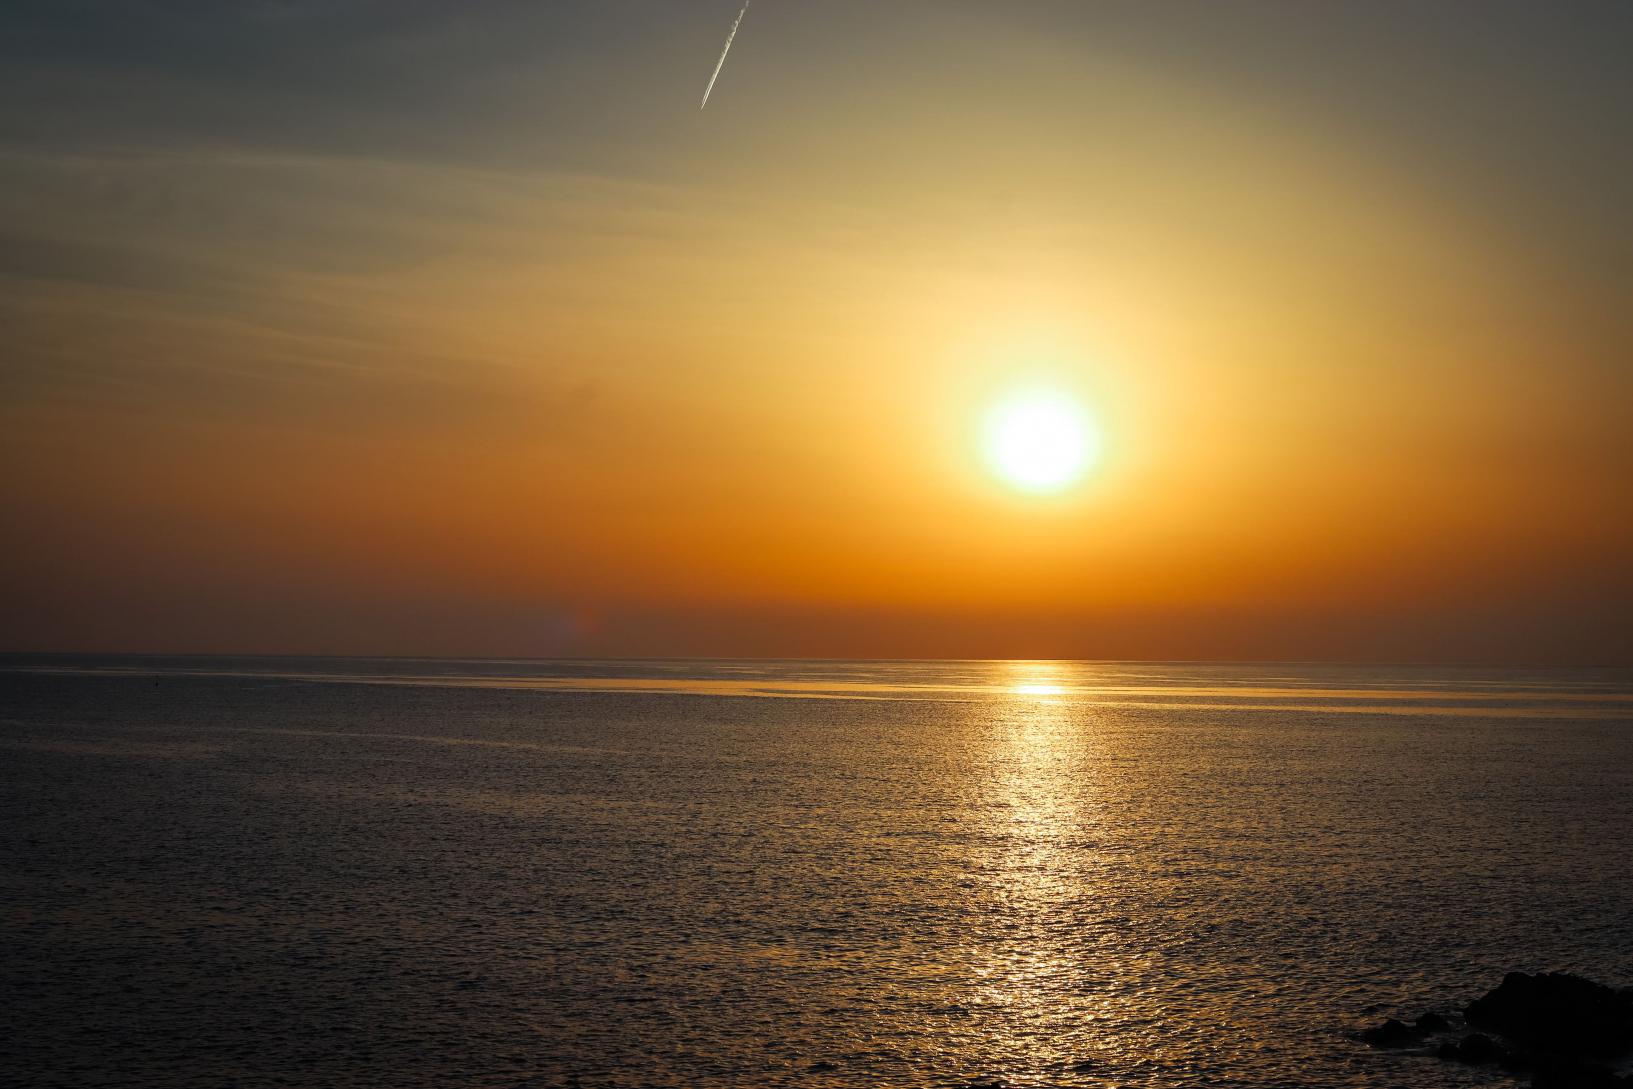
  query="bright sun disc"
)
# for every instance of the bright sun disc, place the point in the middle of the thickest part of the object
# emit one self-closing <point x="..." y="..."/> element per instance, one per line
<point x="1040" y="442"/>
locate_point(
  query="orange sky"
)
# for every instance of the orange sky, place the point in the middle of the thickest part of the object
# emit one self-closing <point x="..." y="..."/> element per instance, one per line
<point x="496" y="376"/>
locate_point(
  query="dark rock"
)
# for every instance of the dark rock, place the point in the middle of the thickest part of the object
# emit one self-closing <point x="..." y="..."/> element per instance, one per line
<point x="822" y="1066"/>
<point x="1475" y="1048"/>
<point x="1391" y="1033"/>
<point x="1555" y="1072"/>
<point x="1431" y="1022"/>
<point x="1558" y="1014"/>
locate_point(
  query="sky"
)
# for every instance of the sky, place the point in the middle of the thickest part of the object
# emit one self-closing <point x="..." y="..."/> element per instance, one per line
<point x="408" y="327"/>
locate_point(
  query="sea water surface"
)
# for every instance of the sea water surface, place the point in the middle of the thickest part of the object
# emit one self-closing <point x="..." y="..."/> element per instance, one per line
<point x="382" y="873"/>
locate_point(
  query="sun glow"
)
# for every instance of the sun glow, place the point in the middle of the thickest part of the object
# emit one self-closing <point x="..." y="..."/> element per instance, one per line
<point x="1040" y="441"/>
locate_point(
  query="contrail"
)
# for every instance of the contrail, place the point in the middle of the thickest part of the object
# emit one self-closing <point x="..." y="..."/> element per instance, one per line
<point x="721" y="63"/>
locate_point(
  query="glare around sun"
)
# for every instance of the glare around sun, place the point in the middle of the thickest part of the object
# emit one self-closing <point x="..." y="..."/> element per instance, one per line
<point x="1040" y="441"/>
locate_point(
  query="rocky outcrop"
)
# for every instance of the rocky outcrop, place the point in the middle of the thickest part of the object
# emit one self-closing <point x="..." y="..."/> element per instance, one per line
<point x="1557" y="1014"/>
<point x="1564" y="1031"/>
<point x="1391" y="1033"/>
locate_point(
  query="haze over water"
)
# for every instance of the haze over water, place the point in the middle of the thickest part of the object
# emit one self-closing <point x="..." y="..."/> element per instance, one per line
<point x="352" y="872"/>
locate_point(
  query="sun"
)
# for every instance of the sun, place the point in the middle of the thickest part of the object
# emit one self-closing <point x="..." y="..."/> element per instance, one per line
<point x="1040" y="441"/>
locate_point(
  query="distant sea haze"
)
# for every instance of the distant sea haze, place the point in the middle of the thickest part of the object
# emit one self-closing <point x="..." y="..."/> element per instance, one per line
<point x="363" y="873"/>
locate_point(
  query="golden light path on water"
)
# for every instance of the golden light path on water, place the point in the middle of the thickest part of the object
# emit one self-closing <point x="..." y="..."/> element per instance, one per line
<point x="1067" y="976"/>
<point x="1041" y="865"/>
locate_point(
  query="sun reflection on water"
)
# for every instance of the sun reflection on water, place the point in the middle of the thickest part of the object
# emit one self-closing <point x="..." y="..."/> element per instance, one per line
<point x="1039" y="866"/>
<point x="1037" y="679"/>
<point x="1031" y="689"/>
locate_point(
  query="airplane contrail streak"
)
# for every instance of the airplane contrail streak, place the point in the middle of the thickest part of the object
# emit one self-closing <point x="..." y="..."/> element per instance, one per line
<point x="721" y="63"/>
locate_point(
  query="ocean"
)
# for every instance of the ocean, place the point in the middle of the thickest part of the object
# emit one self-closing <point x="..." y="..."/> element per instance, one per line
<point x="395" y="873"/>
